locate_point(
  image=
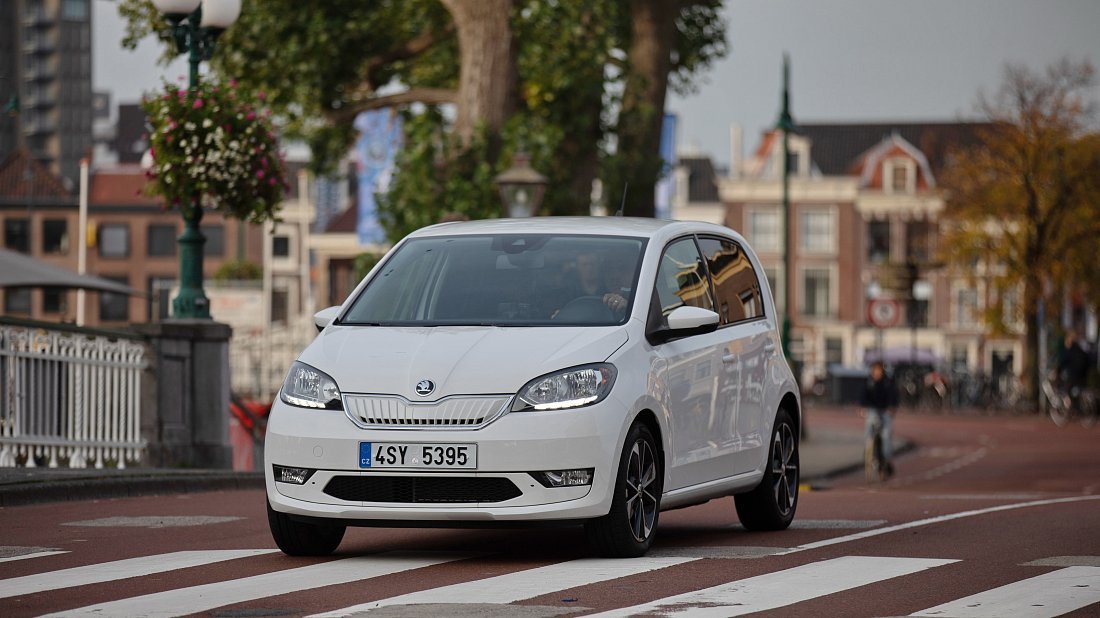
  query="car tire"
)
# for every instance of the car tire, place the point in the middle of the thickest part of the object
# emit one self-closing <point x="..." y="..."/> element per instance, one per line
<point x="628" y="529"/>
<point x="772" y="503"/>
<point x="297" y="538"/>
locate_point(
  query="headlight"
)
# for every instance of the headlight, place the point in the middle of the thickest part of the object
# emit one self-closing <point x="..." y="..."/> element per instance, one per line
<point x="307" y="387"/>
<point x="569" y="388"/>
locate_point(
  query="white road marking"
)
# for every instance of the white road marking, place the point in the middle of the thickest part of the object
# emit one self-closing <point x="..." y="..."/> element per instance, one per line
<point x="782" y="588"/>
<point x="154" y="521"/>
<point x="934" y="520"/>
<point x="1053" y="594"/>
<point x="119" y="569"/>
<point x="522" y="584"/>
<point x="34" y="554"/>
<point x="195" y="599"/>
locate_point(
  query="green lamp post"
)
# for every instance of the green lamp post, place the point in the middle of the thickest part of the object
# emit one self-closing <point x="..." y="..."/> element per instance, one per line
<point x="786" y="125"/>
<point x="196" y="25"/>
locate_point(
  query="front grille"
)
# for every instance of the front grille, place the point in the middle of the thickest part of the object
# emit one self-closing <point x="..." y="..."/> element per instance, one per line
<point x="393" y="412"/>
<point x="421" y="489"/>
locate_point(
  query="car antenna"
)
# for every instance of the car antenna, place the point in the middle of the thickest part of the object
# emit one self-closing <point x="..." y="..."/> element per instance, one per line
<point x="626" y="186"/>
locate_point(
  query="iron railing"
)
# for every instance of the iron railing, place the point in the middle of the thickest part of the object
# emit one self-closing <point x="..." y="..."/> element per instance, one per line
<point x="69" y="396"/>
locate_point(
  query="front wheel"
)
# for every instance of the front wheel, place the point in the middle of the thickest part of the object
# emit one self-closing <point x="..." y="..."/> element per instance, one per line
<point x="771" y="504"/>
<point x="628" y="528"/>
<point x="297" y="538"/>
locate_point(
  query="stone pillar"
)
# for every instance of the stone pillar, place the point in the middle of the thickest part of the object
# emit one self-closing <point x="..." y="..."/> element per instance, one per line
<point x="185" y="416"/>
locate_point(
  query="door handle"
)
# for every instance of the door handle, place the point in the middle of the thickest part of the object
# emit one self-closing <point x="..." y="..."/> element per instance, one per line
<point x="730" y="358"/>
<point x="769" y="346"/>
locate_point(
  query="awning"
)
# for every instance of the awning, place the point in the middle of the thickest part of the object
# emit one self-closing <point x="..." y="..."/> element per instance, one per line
<point x="19" y="270"/>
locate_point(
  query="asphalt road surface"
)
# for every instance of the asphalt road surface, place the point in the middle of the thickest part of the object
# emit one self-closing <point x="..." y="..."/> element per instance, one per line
<point x="986" y="517"/>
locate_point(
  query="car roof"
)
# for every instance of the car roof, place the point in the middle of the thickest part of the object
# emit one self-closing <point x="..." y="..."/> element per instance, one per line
<point x="602" y="226"/>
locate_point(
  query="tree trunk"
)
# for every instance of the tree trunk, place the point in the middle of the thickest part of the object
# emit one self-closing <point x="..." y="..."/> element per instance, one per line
<point x="487" y="82"/>
<point x="649" y="60"/>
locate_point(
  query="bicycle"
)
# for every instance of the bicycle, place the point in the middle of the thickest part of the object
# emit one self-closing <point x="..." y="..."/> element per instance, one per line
<point x="875" y="465"/>
<point x="1063" y="406"/>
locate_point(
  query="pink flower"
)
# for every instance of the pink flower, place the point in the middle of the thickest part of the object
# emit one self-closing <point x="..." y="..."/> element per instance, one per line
<point x="261" y="95"/>
<point x="251" y="115"/>
<point x="259" y="173"/>
<point x="232" y="83"/>
<point x="197" y="105"/>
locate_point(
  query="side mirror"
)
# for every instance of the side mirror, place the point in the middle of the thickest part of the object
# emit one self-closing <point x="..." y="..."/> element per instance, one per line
<point x="685" y="322"/>
<point x="324" y="317"/>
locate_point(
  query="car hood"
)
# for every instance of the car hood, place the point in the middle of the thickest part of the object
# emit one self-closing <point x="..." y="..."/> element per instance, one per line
<point x="459" y="359"/>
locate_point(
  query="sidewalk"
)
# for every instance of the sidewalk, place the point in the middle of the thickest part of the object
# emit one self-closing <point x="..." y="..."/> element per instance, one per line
<point x="833" y="446"/>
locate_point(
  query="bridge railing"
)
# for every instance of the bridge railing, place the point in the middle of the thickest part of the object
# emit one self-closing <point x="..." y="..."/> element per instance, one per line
<point x="69" y="396"/>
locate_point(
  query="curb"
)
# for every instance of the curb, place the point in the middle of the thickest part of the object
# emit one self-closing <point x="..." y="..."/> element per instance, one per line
<point x="95" y="487"/>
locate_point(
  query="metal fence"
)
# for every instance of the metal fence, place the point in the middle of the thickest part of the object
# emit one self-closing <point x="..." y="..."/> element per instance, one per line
<point x="69" y="396"/>
<point x="259" y="361"/>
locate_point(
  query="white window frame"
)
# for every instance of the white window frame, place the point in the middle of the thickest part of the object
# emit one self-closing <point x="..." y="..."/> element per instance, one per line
<point x="834" y="295"/>
<point x="758" y="241"/>
<point x="829" y="247"/>
<point x="888" y="167"/>
<point x="975" y="318"/>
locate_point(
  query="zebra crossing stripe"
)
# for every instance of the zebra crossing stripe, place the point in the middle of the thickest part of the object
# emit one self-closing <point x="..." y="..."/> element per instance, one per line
<point x="195" y="599"/>
<point x="119" y="569"/>
<point x="1052" y="594"/>
<point x="37" y="554"/>
<point x="522" y="584"/>
<point x="782" y="588"/>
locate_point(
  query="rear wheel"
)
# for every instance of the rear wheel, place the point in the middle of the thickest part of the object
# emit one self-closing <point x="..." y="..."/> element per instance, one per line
<point x="771" y="505"/>
<point x="297" y="538"/>
<point x="628" y="528"/>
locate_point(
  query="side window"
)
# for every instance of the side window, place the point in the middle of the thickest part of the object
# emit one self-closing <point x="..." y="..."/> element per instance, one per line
<point x="681" y="279"/>
<point x="736" y="286"/>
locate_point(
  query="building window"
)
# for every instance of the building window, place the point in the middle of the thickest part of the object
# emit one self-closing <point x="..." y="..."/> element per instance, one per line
<point x="53" y="300"/>
<point x="960" y="356"/>
<point x="17" y="300"/>
<point x="763" y="228"/>
<point x="816" y="292"/>
<point x="114" y="240"/>
<point x="878" y="242"/>
<point x="162" y="240"/>
<point x="74" y="9"/>
<point x="900" y="181"/>
<point x="215" y="239"/>
<point x="280" y="306"/>
<point x="280" y="246"/>
<point x="834" y="351"/>
<point x="918" y="241"/>
<point x="114" y="307"/>
<point x="817" y="231"/>
<point x="17" y="235"/>
<point x="966" y="307"/>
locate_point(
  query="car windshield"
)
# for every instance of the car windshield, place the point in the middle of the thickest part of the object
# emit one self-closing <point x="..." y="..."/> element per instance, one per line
<point x="503" y="280"/>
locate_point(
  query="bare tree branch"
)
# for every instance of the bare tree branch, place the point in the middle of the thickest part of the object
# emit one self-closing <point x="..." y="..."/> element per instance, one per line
<point x="430" y="96"/>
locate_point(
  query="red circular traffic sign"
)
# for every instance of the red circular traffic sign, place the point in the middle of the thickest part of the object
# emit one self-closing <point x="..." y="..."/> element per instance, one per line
<point x="884" y="312"/>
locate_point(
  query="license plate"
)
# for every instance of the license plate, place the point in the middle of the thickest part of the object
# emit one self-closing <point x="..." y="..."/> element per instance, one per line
<point x="422" y="456"/>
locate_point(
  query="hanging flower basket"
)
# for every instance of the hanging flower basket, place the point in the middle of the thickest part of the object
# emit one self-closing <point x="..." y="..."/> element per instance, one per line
<point x="212" y="149"/>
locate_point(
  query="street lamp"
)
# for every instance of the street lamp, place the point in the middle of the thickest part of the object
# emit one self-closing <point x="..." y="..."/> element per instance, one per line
<point x="196" y="24"/>
<point x="786" y="125"/>
<point x="521" y="187"/>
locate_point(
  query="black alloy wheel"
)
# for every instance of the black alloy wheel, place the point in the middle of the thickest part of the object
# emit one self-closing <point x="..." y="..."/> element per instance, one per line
<point x="628" y="529"/>
<point x="771" y="504"/>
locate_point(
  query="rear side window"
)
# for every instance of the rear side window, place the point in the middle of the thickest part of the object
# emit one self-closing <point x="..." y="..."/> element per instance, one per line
<point x="682" y="279"/>
<point x="736" y="286"/>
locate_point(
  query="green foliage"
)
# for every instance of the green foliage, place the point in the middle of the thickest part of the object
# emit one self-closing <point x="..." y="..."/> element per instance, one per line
<point x="319" y="66"/>
<point x="238" y="270"/>
<point x="213" y="149"/>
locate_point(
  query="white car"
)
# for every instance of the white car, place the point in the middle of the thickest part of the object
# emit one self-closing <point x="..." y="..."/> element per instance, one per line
<point x="572" y="370"/>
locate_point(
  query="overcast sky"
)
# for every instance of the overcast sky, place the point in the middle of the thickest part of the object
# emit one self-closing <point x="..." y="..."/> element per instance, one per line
<point x="851" y="60"/>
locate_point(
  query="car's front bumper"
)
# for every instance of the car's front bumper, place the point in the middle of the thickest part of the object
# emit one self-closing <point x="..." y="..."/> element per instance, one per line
<point x="509" y="448"/>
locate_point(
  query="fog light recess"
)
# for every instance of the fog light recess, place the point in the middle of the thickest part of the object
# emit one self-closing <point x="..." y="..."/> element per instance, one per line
<point x="294" y="476"/>
<point x="565" y="478"/>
